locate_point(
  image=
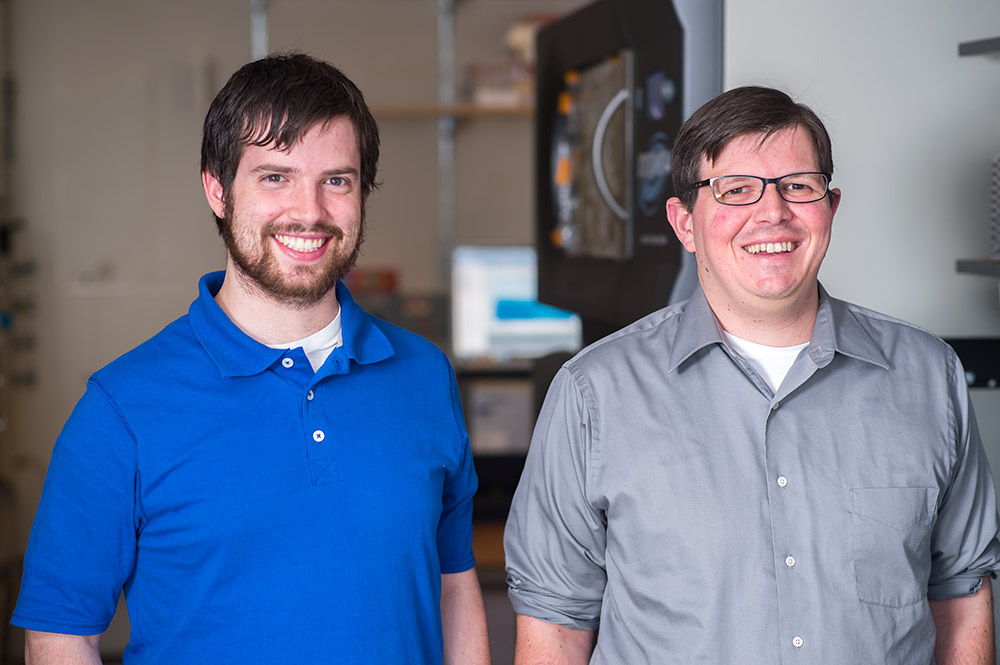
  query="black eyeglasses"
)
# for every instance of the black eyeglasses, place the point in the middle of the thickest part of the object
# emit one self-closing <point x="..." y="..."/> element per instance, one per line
<point x="744" y="190"/>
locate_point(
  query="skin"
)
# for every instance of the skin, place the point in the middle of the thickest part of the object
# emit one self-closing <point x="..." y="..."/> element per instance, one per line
<point x="964" y="628"/>
<point x="543" y="643"/>
<point x="463" y="620"/>
<point x="766" y="298"/>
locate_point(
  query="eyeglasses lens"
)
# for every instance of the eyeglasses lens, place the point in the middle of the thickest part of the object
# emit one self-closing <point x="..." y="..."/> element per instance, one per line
<point x="744" y="190"/>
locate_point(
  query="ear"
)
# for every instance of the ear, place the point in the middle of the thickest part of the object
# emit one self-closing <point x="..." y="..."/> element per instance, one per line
<point x="834" y="201"/>
<point x="214" y="194"/>
<point x="682" y="221"/>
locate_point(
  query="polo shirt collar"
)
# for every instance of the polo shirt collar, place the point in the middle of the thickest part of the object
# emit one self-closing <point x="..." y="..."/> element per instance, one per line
<point x="237" y="354"/>
<point x="837" y="329"/>
<point x="364" y="343"/>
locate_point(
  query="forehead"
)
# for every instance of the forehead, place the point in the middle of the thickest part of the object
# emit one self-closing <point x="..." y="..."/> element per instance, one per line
<point x="787" y="150"/>
<point x="336" y="137"/>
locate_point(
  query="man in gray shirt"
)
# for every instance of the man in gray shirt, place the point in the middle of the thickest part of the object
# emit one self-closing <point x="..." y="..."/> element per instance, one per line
<point x="763" y="473"/>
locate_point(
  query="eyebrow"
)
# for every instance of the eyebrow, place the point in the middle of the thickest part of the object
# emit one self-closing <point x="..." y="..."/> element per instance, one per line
<point x="278" y="168"/>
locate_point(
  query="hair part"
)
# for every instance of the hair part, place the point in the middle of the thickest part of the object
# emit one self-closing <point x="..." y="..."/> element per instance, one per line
<point x="745" y="111"/>
<point x="274" y="102"/>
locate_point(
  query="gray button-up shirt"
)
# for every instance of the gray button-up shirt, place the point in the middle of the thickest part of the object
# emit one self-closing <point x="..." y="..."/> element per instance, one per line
<point x="672" y="499"/>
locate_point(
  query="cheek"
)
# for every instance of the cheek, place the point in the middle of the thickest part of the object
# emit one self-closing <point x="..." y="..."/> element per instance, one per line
<point x="716" y="233"/>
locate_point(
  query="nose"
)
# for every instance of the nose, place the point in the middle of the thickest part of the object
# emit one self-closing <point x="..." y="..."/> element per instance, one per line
<point x="307" y="206"/>
<point x="771" y="207"/>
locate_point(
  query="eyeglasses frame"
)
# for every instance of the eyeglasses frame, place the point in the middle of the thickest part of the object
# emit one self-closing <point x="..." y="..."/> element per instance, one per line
<point x="767" y="181"/>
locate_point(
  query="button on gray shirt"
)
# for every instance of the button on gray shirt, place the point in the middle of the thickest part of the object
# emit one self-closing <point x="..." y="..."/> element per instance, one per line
<point x="672" y="499"/>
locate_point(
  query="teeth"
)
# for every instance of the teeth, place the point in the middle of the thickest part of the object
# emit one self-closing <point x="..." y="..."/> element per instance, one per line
<point x="770" y="247"/>
<point x="300" y="244"/>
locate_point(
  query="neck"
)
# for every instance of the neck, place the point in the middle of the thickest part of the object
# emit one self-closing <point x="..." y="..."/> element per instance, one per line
<point x="779" y="326"/>
<point x="268" y="320"/>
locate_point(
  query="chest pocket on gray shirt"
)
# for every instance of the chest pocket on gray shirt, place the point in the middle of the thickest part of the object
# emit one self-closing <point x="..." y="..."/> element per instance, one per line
<point x="891" y="527"/>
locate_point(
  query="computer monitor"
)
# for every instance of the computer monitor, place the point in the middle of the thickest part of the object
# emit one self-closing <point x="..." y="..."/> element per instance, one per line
<point x="495" y="314"/>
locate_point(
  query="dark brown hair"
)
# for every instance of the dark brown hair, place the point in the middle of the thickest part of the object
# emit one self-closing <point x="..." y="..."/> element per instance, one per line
<point x="275" y="101"/>
<point x="750" y="110"/>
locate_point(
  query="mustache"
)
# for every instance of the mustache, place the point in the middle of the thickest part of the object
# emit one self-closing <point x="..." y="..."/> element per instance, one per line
<point x="272" y="228"/>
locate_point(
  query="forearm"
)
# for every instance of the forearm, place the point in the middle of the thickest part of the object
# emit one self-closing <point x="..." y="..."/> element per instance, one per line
<point x="965" y="629"/>
<point x="463" y="620"/>
<point x="543" y="643"/>
<point x="58" y="649"/>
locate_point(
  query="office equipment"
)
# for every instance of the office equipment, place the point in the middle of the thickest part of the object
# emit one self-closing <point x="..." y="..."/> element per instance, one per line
<point x="496" y="316"/>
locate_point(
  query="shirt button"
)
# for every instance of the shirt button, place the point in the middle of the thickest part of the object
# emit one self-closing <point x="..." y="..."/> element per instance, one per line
<point x="318" y="436"/>
<point x="789" y="561"/>
<point x="310" y="395"/>
<point x="797" y="642"/>
<point x="774" y="407"/>
<point x="287" y="362"/>
<point x="782" y="481"/>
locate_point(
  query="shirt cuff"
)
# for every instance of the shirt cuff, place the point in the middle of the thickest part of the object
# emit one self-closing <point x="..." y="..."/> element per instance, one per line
<point x="960" y="586"/>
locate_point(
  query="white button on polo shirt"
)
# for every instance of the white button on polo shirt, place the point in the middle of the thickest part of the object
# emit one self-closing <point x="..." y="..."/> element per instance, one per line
<point x="318" y="436"/>
<point x="287" y="362"/>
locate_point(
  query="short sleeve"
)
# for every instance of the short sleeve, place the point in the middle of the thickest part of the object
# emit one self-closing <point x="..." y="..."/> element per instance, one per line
<point x="455" y="527"/>
<point x="964" y="546"/>
<point x="83" y="540"/>
<point x="555" y="539"/>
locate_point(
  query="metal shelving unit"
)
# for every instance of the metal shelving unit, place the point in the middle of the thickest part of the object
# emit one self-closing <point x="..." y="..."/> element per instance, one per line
<point x="980" y="47"/>
<point x="988" y="267"/>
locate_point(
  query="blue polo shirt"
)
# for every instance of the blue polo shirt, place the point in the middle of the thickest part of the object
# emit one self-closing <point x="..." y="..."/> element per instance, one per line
<point x="253" y="510"/>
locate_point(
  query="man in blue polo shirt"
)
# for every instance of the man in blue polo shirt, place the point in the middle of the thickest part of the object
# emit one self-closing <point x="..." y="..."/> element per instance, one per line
<point x="276" y="477"/>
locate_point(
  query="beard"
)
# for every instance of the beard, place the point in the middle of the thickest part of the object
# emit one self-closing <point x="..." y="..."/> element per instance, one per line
<point x="307" y="285"/>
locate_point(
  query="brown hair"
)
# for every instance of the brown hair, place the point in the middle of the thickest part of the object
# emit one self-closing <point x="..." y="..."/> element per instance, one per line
<point x="275" y="101"/>
<point x="739" y="112"/>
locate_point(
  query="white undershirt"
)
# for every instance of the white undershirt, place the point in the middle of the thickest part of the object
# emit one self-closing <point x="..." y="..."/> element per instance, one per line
<point x="319" y="345"/>
<point x="771" y="362"/>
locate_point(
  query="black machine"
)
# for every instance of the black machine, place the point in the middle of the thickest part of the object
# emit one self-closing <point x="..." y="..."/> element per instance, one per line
<point x="611" y="96"/>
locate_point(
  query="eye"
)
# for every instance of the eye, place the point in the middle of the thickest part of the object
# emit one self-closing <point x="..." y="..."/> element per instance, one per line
<point x="736" y="189"/>
<point x="273" y="177"/>
<point x="798" y="187"/>
<point x="338" y="181"/>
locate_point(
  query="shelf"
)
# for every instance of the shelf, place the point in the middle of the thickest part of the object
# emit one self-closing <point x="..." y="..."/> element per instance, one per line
<point x="451" y="110"/>
<point x="980" y="47"/>
<point x="987" y="267"/>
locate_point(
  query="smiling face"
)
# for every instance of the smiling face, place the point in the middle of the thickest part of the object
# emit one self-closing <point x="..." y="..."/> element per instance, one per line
<point x="293" y="219"/>
<point x="758" y="264"/>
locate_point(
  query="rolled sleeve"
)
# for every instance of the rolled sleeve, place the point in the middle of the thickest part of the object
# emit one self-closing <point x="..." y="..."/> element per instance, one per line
<point x="555" y="538"/>
<point x="964" y="546"/>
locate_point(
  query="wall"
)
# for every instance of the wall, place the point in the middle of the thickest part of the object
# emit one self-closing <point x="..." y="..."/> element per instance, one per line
<point x="914" y="128"/>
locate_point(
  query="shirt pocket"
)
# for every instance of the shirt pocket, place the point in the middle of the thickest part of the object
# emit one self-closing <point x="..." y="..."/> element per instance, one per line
<point x="891" y="531"/>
